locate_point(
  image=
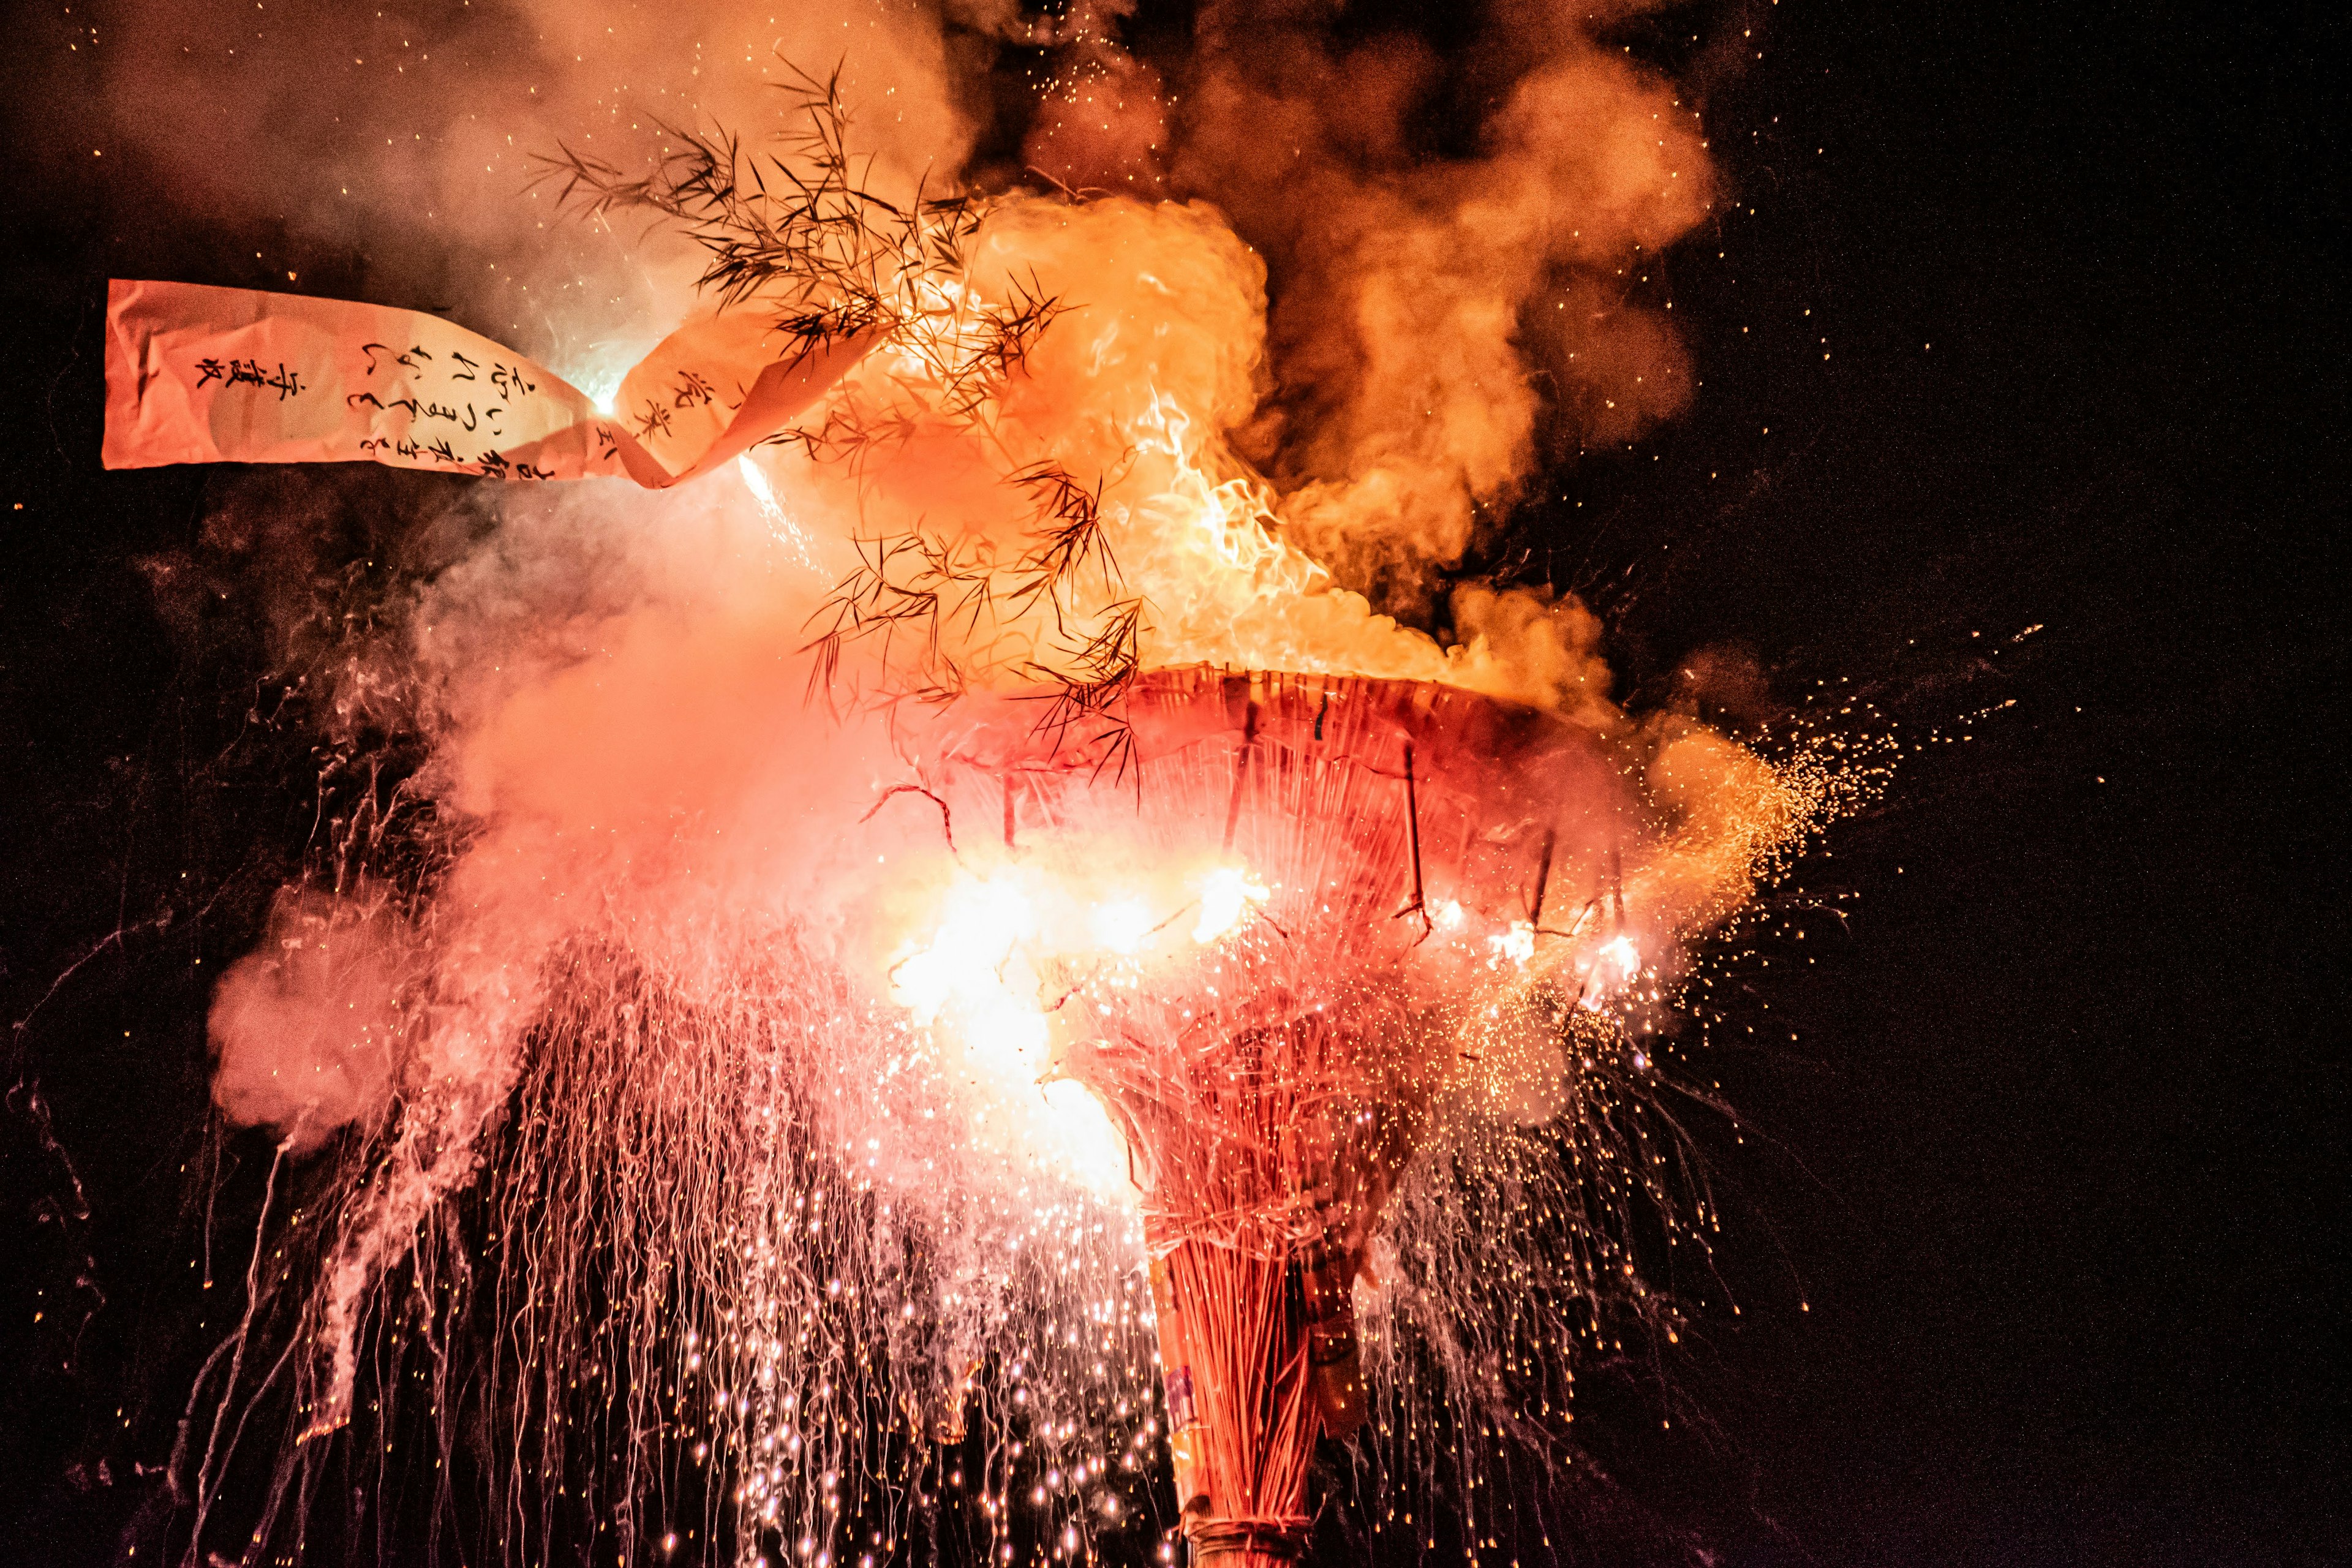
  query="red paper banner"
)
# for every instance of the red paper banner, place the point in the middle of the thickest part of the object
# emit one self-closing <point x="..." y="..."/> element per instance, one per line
<point x="199" y="375"/>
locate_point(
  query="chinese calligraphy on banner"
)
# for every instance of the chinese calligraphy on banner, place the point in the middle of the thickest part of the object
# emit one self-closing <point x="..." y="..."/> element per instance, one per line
<point x="200" y="374"/>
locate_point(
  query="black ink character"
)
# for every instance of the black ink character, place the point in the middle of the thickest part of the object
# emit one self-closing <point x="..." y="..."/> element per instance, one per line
<point x="656" y="418"/>
<point x="372" y="349"/>
<point x="414" y="354"/>
<point x="471" y="367"/>
<point x="693" y="391"/>
<point x="495" y="465"/>
<point x="511" y="382"/>
<point x="212" y="370"/>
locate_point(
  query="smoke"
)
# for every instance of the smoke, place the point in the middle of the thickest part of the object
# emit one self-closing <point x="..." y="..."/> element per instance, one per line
<point x="1445" y="319"/>
<point x="1463" y="250"/>
<point x="1443" y="322"/>
<point x="1304" y="345"/>
<point x="307" y="1025"/>
<point x="1300" y="355"/>
<point x="404" y="135"/>
<point x="1442" y="325"/>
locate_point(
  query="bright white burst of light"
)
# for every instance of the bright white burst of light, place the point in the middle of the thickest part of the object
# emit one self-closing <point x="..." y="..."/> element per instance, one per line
<point x="1226" y="894"/>
<point x="1616" y="965"/>
<point x="1517" y="945"/>
<point x="1122" y="925"/>
<point x="1087" y="1142"/>
<point x="979" y="923"/>
<point x="604" y="386"/>
<point x="1621" y="952"/>
<point x="972" y="979"/>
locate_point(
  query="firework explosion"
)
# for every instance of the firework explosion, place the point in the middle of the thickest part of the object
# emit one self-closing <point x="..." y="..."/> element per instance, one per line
<point x="931" y="985"/>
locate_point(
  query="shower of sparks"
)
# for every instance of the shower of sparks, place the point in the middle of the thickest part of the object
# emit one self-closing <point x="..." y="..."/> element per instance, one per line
<point x="823" y="1230"/>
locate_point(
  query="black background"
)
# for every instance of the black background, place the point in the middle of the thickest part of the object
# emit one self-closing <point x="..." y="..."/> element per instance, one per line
<point x="2039" y="1226"/>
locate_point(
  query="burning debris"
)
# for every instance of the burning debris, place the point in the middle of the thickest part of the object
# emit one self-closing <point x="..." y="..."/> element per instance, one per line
<point x="790" y="1128"/>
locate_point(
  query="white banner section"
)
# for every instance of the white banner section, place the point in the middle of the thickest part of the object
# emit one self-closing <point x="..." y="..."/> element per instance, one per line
<point x="199" y="375"/>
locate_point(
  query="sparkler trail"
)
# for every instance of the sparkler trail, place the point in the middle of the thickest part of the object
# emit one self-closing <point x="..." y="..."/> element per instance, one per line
<point x="1150" y="1009"/>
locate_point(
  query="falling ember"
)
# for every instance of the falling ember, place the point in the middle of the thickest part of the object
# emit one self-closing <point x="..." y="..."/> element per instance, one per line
<point x="957" y="966"/>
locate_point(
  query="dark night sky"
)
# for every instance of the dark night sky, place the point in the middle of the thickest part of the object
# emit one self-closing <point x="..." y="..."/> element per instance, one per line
<point x="2055" y="1159"/>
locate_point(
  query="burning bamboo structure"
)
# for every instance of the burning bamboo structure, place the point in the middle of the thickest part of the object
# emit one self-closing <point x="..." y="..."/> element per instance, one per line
<point x="1270" y="1089"/>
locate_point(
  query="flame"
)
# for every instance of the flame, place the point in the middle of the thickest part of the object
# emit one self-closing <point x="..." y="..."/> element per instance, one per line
<point x="979" y="923"/>
<point x="975" y="978"/>
<point x="1613" y="965"/>
<point x="1621" y="952"/>
<point x="1226" y="894"/>
<point x="1228" y="588"/>
<point x="1516" y="942"/>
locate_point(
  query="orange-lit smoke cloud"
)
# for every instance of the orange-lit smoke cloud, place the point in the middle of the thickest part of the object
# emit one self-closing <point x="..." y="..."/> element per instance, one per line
<point x="306" y="1027"/>
<point x="1300" y="355"/>
<point x="402" y="135"/>
<point x="1440" y="325"/>
<point x="1441" y="322"/>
